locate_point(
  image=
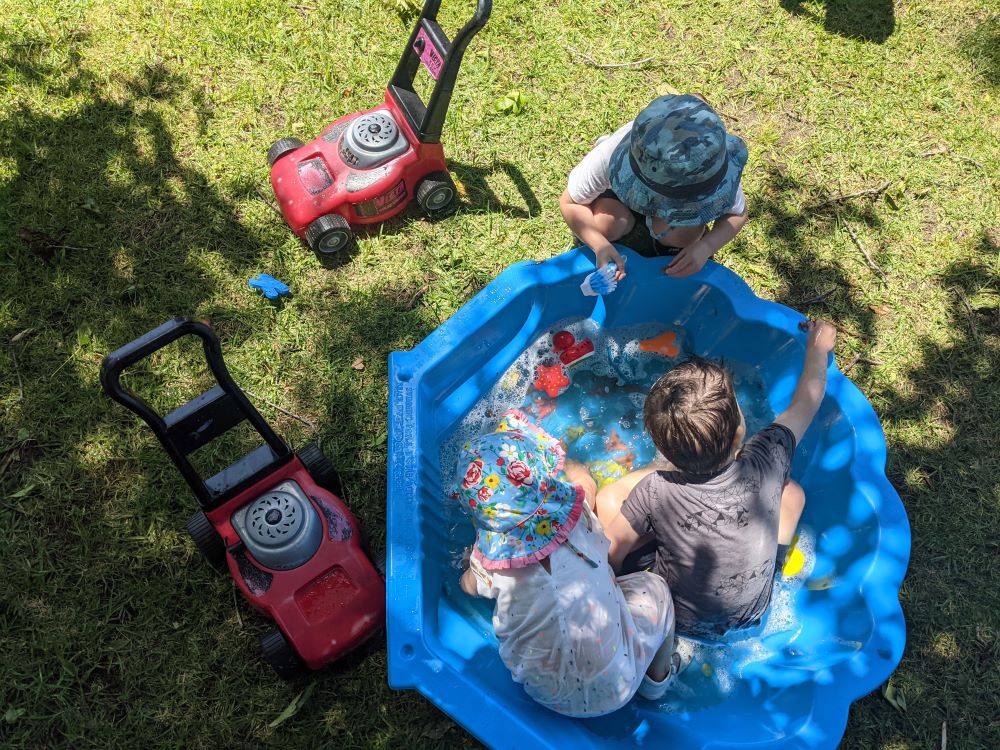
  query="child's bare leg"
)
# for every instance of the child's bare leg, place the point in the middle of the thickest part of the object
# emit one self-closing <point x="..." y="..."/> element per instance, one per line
<point x="577" y="473"/>
<point x="793" y="500"/>
<point x="612" y="218"/>
<point x="659" y="668"/>
<point x="611" y="497"/>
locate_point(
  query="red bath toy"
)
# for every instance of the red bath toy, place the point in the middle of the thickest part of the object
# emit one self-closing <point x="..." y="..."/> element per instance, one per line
<point x="551" y="379"/>
<point x="571" y="351"/>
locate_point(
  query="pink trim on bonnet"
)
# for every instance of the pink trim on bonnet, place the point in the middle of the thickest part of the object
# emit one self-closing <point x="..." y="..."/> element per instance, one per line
<point x="561" y="536"/>
<point x="534" y="428"/>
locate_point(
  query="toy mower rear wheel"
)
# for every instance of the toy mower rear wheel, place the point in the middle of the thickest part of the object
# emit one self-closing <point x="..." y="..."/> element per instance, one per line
<point x="321" y="470"/>
<point x="207" y="539"/>
<point x="279" y="654"/>
<point x="436" y="193"/>
<point x="328" y="235"/>
<point x="282" y="147"/>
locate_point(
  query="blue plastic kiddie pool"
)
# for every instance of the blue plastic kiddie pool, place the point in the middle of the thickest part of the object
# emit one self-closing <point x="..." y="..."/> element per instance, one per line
<point x="835" y="629"/>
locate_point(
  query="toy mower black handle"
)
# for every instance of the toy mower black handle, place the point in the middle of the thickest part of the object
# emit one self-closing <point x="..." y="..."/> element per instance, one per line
<point x="134" y="351"/>
<point x="478" y="20"/>
<point x="201" y="420"/>
<point x="428" y="121"/>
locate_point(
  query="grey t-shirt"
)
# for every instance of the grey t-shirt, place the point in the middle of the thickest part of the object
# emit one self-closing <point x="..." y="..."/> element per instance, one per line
<point x="716" y="537"/>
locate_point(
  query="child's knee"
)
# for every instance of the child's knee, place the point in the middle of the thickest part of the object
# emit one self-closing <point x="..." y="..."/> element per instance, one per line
<point x="608" y="503"/>
<point x="613" y="218"/>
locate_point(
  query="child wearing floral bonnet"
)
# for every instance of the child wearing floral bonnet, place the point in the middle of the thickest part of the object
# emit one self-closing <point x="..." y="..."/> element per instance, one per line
<point x="579" y="640"/>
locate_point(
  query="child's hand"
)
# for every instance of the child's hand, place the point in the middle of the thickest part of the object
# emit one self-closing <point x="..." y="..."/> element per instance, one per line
<point x="822" y="335"/>
<point x="689" y="260"/>
<point x="610" y="255"/>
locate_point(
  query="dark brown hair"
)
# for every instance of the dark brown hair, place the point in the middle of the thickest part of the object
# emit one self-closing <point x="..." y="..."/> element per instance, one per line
<point x="692" y="415"/>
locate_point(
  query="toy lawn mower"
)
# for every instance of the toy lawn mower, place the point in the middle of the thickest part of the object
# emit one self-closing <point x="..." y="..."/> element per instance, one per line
<point x="273" y="517"/>
<point x="366" y="167"/>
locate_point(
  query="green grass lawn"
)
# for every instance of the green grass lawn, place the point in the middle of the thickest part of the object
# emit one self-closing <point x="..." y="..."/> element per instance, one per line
<point x="133" y="187"/>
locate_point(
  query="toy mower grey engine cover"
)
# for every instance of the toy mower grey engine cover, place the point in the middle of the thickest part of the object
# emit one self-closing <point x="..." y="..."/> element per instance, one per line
<point x="281" y="528"/>
<point x="371" y="140"/>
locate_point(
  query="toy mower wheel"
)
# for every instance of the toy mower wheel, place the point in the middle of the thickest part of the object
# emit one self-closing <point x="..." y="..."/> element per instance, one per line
<point x="328" y="235"/>
<point x="281" y="147"/>
<point x="321" y="470"/>
<point x="435" y="193"/>
<point x="279" y="654"/>
<point x="207" y="539"/>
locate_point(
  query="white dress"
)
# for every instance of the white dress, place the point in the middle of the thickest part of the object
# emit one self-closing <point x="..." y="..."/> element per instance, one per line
<point x="578" y="640"/>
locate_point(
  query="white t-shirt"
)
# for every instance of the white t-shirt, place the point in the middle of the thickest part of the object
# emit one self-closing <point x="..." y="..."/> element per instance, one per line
<point x="590" y="177"/>
<point x="579" y="640"/>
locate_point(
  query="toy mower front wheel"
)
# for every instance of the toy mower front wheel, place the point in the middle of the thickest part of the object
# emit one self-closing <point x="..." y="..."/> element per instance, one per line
<point x="279" y="654"/>
<point x="282" y="147"/>
<point x="320" y="469"/>
<point x="435" y="193"/>
<point x="207" y="539"/>
<point x="328" y="235"/>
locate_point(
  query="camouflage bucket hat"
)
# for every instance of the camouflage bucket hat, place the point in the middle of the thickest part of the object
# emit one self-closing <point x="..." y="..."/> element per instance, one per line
<point x="678" y="163"/>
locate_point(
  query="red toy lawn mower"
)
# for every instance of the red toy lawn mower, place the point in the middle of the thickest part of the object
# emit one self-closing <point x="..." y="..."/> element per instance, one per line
<point x="273" y="517"/>
<point x="368" y="166"/>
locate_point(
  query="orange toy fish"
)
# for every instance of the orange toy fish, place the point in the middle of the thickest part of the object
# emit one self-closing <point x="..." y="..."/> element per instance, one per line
<point x="614" y="443"/>
<point x="664" y="344"/>
<point x="544" y="407"/>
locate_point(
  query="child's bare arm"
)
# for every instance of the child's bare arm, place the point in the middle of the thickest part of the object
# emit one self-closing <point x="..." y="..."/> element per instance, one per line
<point x="580" y="220"/>
<point x="812" y="382"/>
<point x="577" y="473"/>
<point x="468" y="582"/>
<point x="623" y="538"/>
<point x="693" y="257"/>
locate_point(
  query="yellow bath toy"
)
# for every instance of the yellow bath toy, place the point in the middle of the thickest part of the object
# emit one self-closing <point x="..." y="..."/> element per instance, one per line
<point x="794" y="562"/>
<point x="794" y="559"/>
<point x="510" y="380"/>
<point x="606" y="472"/>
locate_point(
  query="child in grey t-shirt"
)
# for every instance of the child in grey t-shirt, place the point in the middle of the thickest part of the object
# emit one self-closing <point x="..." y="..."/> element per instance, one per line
<point x="721" y="513"/>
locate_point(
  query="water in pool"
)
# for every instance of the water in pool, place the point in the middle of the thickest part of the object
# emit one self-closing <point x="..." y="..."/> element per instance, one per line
<point x="599" y="418"/>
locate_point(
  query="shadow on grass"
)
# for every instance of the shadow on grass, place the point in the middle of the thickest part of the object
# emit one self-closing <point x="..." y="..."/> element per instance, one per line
<point x="982" y="46"/>
<point x="870" y="20"/>
<point x="812" y="283"/>
<point x="480" y="197"/>
<point x="106" y="226"/>
<point x="102" y="207"/>
<point x="942" y="413"/>
<point x="946" y="470"/>
<point x="476" y="195"/>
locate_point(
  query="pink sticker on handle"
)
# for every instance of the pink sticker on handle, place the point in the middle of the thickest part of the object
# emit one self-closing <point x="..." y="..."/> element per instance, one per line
<point x="429" y="55"/>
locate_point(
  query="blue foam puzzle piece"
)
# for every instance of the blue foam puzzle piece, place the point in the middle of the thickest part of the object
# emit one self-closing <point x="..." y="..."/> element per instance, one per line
<point x="270" y="286"/>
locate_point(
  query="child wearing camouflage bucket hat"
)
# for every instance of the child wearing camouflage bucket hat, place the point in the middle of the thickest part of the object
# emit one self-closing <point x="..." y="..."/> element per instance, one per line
<point x="675" y="166"/>
<point x="580" y="641"/>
